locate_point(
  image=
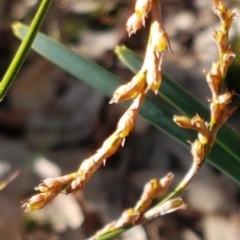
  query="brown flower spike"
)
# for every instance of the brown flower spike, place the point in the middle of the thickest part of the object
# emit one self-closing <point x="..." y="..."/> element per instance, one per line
<point x="219" y="102"/>
<point x="149" y="78"/>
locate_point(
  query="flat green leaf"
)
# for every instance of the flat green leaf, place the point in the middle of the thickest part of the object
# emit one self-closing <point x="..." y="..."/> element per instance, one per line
<point x="97" y="77"/>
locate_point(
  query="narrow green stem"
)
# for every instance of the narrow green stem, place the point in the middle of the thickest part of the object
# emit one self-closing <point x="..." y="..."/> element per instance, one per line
<point x="24" y="48"/>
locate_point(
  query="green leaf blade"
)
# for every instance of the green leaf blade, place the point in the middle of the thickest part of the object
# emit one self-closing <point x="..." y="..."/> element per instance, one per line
<point x="106" y="82"/>
<point x="24" y="48"/>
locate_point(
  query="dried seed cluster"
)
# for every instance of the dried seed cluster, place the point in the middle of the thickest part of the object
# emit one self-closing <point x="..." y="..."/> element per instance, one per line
<point x="139" y="213"/>
<point x="148" y="78"/>
<point x="219" y="109"/>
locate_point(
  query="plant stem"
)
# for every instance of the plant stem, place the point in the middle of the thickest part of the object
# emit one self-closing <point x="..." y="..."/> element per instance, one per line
<point x="24" y="48"/>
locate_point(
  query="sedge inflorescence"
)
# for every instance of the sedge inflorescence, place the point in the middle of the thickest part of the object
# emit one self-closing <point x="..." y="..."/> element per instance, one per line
<point x="220" y="112"/>
<point x="149" y="78"/>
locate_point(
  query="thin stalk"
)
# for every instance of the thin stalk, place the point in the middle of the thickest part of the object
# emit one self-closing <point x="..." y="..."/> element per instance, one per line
<point x="24" y="48"/>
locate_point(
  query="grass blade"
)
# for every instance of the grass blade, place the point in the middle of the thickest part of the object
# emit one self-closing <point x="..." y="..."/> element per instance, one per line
<point x="24" y="48"/>
<point x="106" y="82"/>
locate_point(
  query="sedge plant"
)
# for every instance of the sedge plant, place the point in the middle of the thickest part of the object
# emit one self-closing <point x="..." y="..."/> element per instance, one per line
<point x="149" y="78"/>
